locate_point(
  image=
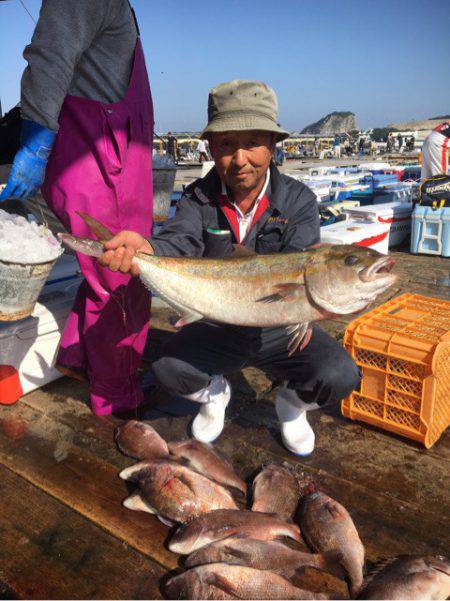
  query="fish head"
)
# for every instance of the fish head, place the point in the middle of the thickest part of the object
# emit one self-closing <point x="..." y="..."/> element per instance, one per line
<point x="440" y="564"/>
<point x="158" y="474"/>
<point x="188" y="538"/>
<point x="345" y="279"/>
<point x="140" y="440"/>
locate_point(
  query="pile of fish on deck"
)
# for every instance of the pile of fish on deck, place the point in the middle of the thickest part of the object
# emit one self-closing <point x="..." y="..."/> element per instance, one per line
<point x="235" y="553"/>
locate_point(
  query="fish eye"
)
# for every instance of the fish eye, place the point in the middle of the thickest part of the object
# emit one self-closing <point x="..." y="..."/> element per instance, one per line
<point x="351" y="260"/>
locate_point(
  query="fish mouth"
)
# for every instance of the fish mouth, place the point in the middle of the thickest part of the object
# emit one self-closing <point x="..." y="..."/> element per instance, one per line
<point x="441" y="564"/>
<point x="380" y="270"/>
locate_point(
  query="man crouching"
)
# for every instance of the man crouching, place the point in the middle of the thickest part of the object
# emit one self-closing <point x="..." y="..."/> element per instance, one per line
<point x="243" y="200"/>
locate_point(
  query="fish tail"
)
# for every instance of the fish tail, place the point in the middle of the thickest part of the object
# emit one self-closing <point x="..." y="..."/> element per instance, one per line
<point x="82" y="245"/>
<point x="96" y="227"/>
<point x="310" y="487"/>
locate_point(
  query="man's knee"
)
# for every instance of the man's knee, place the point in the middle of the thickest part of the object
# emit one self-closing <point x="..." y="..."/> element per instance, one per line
<point x="330" y="380"/>
<point x="179" y="377"/>
<point x="339" y="378"/>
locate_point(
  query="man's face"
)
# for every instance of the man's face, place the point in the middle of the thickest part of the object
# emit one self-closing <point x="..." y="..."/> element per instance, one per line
<point x="242" y="157"/>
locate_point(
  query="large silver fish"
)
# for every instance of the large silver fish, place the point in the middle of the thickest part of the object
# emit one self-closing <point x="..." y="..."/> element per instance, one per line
<point x="280" y="289"/>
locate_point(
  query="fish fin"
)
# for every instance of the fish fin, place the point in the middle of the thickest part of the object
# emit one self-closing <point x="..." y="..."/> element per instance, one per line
<point x="97" y="228"/>
<point x="236" y="552"/>
<point x="187" y="319"/>
<point x="239" y="250"/>
<point x="165" y="521"/>
<point x="132" y="472"/>
<point x="298" y="333"/>
<point x="223" y="584"/>
<point x="377" y="568"/>
<point x="286" y="293"/>
<point x="136" y="502"/>
<point x="334" y="511"/>
<point x="294" y="531"/>
<point x="331" y="562"/>
<point x="319" y="245"/>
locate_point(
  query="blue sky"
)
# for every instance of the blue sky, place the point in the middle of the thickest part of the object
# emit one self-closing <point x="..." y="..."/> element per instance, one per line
<point x="385" y="60"/>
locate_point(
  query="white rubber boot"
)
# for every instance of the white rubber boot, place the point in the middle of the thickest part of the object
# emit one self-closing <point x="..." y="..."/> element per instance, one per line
<point x="297" y="434"/>
<point x="209" y="422"/>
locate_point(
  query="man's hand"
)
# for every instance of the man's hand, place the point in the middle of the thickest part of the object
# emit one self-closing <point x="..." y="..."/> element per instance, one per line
<point x="121" y="249"/>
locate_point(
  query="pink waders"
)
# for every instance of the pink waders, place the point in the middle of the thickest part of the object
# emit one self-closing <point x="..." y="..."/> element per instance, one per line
<point x="101" y="164"/>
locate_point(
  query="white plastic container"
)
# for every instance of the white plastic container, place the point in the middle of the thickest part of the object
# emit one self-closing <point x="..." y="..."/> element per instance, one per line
<point x="65" y="272"/>
<point x="397" y="215"/>
<point x="374" y="166"/>
<point x="29" y="346"/>
<point x="368" y="234"/>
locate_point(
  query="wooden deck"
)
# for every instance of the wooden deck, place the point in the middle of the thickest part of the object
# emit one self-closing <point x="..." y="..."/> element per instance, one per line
<point x="65" y="535"/>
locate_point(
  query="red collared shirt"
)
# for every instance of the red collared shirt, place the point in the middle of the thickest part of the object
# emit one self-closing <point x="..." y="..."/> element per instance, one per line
<point x="240" y="222"/>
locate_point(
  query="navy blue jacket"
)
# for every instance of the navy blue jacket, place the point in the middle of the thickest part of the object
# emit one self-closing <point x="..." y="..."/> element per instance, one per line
<point x="290" y="223"/>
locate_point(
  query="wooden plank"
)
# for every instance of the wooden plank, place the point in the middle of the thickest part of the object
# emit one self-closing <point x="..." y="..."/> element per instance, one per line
<point x="401" y="513"/>
<point x="313" y="580"/>
<point x="50" y="552"/>
<point x="46" y="455"/>
<point x="355" y="453"/>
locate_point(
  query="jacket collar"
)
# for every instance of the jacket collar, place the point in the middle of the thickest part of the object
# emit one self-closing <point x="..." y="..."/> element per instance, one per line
<point x="208" y="188"/>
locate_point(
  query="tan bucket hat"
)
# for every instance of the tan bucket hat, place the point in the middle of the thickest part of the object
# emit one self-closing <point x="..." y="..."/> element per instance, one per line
<point x="243" y="104"/>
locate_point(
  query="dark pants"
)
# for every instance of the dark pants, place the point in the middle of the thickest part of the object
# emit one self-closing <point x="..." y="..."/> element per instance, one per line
<point x="323" y="372"/>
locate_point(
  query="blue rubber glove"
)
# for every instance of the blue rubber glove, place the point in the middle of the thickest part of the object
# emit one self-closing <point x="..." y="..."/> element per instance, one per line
<point x="28" y="169"/>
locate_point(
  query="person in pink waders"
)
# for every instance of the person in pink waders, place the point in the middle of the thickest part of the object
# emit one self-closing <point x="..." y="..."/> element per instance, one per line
<point x="87" y="137"/>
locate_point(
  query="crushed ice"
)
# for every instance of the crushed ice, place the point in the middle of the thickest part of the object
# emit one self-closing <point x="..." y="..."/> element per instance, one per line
<point x="25" y="242"/>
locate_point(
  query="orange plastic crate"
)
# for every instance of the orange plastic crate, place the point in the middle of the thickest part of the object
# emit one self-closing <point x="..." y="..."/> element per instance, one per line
<point x="403" y="349"/>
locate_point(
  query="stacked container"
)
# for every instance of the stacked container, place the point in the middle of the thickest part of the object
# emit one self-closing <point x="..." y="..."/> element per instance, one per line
<point x="395" y="214"/>
<point x="431" y="231"/>
<point x="403" y="349"/>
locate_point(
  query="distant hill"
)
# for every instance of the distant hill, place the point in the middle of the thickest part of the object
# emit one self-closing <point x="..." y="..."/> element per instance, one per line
<point x="416" y="125"/>
<point x="441" y="117"/>
<point x="334" y="123"/>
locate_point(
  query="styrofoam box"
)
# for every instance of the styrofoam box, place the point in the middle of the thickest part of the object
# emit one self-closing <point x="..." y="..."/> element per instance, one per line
<point x="396" y="214"/>
<point x="369" y="234"/>
<point x="376" y="166"/>
<point x="30" y="345"/>
<point x="65" y="270"/>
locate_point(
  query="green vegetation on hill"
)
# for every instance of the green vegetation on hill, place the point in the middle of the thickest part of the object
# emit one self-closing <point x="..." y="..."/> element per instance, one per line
<point x="380" y="134"/>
